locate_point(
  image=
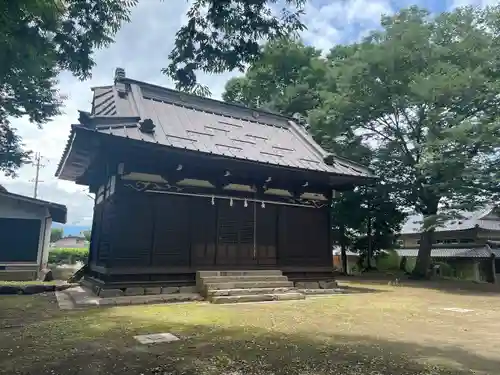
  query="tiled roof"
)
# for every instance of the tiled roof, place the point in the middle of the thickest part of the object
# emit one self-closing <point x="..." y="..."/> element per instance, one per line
<point x="483" y="218"/>
<point x="481" y="252"/>
<point x="199" y="124"/>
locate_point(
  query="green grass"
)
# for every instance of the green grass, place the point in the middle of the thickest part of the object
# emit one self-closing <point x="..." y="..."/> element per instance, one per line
<point x="391" y="332"/>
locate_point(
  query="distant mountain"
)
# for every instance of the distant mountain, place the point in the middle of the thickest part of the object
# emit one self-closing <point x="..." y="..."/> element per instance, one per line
<point x="70" y="230"/>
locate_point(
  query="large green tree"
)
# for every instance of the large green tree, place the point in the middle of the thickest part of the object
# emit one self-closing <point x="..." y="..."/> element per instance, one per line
<point x="39" y="39"/>
<point x="293" y="79"/>
<point x="424" y="92"/>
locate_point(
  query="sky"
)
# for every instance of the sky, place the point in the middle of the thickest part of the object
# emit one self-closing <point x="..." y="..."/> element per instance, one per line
<point x="142" y="46"/>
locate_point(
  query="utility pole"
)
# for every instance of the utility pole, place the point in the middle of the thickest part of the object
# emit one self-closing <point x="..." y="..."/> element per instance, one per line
<point x="38" y="165"/>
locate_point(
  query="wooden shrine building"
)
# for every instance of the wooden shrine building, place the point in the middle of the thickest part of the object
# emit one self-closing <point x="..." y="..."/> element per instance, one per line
<point x="184" y="183"/>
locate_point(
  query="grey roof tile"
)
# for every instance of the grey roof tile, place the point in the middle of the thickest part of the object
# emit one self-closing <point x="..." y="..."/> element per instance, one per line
<point x="481" y="252"/>
<point x="200" y="124"/>
<point x="483" y="218"/>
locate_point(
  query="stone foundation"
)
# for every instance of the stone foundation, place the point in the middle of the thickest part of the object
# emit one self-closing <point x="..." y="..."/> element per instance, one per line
<point x="322" y="284"/>
<point x="139" y="291"/>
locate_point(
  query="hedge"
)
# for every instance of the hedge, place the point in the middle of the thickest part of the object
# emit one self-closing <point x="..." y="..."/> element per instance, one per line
<point x="68" y="255"/>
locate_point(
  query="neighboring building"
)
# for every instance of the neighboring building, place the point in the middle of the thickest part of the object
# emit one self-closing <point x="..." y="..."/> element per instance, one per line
<point x="473" y="237"/>
<point x="185" y="183"/>
<point x="25" y="234"/>
<point x="73" y="242"/>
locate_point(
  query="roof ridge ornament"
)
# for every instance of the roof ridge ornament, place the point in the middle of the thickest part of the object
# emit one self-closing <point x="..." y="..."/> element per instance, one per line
<point x="85" y="118"/>
<point x="147" y="126"/>
<point x="119" y="85"/>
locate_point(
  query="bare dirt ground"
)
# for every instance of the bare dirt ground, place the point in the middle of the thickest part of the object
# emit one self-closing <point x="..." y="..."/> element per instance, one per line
<point x="395" y="330"/>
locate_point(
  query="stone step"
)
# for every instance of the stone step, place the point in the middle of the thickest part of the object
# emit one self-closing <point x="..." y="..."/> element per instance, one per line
<point x="201" y="274"/>
<point x="227" y="279"/>
<point x="250" y="291"/>
<point x="247" y="285"/>
<point x="322" y="291"/>
<point x="257" y="298"/>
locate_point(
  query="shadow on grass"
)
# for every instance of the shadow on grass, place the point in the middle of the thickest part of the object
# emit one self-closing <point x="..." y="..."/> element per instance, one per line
<point x="462" y="287"/>
<point x="245" y="350"/>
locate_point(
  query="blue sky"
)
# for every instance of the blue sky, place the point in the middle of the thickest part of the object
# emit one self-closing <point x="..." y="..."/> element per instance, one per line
<point x="142" y="47"/>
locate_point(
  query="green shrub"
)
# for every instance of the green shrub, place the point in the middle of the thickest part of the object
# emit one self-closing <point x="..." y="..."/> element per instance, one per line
<point x="446" y="270"/>
<point x="68" y="255"/>
<point x="388" y="261"/>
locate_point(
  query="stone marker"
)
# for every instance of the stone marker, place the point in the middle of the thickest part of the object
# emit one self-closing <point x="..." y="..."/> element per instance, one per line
<point x="156" y="338"/>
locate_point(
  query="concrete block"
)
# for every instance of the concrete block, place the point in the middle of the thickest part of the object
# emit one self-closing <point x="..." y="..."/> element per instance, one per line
<point x="107" y="302"/>
<point x="107" y="293"/>
<point x="152" y="290"/>
<point x="288" y="296"/>
<point x="188" y="289"/>
<point x="328" y="284"/>
<point x="238" y="299"/>
<point x="134" y="291"/>
<point x="169" y="289"/>
<point x="307" y="284"/>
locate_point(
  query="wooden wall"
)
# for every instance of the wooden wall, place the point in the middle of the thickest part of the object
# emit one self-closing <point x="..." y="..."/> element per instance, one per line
<point x="143" y="230"/>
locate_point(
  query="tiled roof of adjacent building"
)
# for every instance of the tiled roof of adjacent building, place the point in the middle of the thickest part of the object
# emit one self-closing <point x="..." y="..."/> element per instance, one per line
<point x="485" y="218"/>
<point x="480" y="252"/>
<point x="144" y="112"/>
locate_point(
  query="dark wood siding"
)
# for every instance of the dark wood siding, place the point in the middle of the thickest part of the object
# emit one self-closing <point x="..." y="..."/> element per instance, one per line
<point x="203" y="231"/>
<point x="303" y="236"/>
<point x="267" y="234"/>
<point x="132" y="231"/>
<point x="19" y="239"/>
<point x="171" y="231"/>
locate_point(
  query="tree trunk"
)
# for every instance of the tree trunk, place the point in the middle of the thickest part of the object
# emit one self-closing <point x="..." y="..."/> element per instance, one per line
<point x="343" y="256"/>
<point x="369" y="238"/>
<point x="421" y="270"/>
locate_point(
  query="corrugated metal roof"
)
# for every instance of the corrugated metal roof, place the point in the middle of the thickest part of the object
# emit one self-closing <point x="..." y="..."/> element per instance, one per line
<point x="58" y="212"/>
<point x="484" y="218"/>
<point x="199" y="124"/>
<point x="481" y="252"/>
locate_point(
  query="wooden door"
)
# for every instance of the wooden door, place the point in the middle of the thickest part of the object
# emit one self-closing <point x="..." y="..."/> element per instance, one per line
<point x="235" y="234"/>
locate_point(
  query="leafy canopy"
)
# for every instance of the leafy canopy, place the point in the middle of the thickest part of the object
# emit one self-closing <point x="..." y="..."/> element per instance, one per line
<point x="289" y="78"/>
<point x="223" y="35"/>
<point x="424" y="93"/>
<point x="419" y="99"/>
<point x="38" y="40"/>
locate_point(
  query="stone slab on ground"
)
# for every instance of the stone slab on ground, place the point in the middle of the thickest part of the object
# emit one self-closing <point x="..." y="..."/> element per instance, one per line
<point x="307" y="285"/>
<point x="82" y="297"/>
<point x="156" y="338"/>
<point x="134" y="291"/>
<point x="322" y="291"/>
<point x="152" y="290"/>
<point x="64" y="301"/>
<point x="188" y="289"/>
<point x="105" y="293"/>
<point x="169" y="289"/>
<point x="328" y="284"/>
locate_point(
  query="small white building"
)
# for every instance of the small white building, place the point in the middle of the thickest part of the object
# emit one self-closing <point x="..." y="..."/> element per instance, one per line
<point x="25" y="226"/>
